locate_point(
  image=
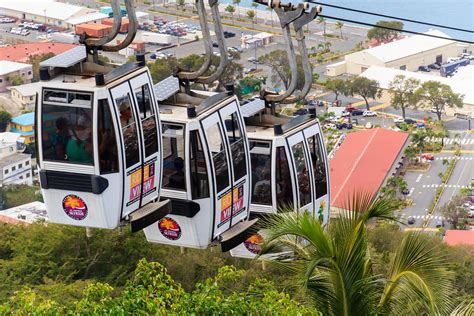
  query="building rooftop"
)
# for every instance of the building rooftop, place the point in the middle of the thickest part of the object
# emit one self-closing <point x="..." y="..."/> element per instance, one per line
<point x="25" y="214"/>
<point x="462" y="82"/>
<point x="408" y="46"/>
<point x="28" y="89"/>
<point x="459" y="237"/>
<point x="24" y="119"/>
<point x="10" y="138"/>
<point x="22" y="52"/>
<point x="7" y="67"/>
<point x="48" y="8"/>
<point x="360" y="166"/>
<point x="87" y="18"/>
<point x="12" y="159"/>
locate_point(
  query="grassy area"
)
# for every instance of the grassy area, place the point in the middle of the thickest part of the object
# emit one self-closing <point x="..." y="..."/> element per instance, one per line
<point x="15" y="195"/>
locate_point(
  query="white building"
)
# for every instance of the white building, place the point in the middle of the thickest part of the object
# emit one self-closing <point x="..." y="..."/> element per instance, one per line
<point x="25" y="214"/>
<point x="462" y="82"/>
<point x="43" y="11"/>
<point x="24" y="95"/>
<point x="405" y="54"/>
<point x="15" y="166"/>
<point x="11" y="68"/>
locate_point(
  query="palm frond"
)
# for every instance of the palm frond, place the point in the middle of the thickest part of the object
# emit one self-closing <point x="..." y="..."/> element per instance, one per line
<point x="418" y="280"/>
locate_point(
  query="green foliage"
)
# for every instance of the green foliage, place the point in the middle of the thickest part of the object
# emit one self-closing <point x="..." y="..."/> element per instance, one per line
<point x="251" y="14"/>
<point x="162" y="68"/>
<point x="35" y="60"/>
<point x="384" y="35"/>
<point x="339" y="25"/>
<point x="278" y="61"/>
<point x="19" y="194"/>
<point x="444" y="180"/>
<point x="438" y="96"/>
<point x="455" y="212"/>
<point x="153" y="291"/>
<point x="5" y="119"/>
<point x="333" y="267"/>
<point x="366" y="88"/>
<point x="231" y="9"/>
<point x="403" y="92"/>
<point x="322" y="21"/>
<point x="15" y="80"/>
<point x="338" y="86"/>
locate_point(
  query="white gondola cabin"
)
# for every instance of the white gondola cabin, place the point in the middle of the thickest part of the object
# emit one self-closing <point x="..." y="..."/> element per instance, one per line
<point x="206" y="169"/>
<point x="289" y="170"/>
<point x="99" y="143"/>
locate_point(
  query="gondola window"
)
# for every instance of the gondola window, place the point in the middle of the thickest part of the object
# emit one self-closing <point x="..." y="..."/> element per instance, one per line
<point x="148" y="118"/>
<point x="283" y="180"/>
<point x="198" y="170"/>
<point x="261" y="173"/>
<point x="234" y="134"/>
<point x="108" y="156"/>
<point x="217" y="147"/>
<point x="129" y="130"/>
<point x="174" y="170"/>
<point x="302" y="174"/>
<point x="66" y="131"/>
<point x="319" y="167"/>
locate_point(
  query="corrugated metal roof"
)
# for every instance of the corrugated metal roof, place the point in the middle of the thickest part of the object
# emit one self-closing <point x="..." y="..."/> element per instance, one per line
<point x="48" y="8"/>
<point x="7" y="67"/>
<point x="87" y="18"/>
<point x="408" y="46"/>
<point x="362" y="163"/>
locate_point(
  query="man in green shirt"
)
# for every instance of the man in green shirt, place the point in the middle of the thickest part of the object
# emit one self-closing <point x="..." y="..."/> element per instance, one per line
<point x="79" y="148"/>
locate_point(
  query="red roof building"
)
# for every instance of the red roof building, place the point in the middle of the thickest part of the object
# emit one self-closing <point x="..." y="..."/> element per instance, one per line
<point x="459" y="237"/>
<point x="363" y="162"/>
<point x="22" y="52"/>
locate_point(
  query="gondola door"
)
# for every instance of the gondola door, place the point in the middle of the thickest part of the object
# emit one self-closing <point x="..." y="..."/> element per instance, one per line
<point x="303" y="170"/>
<point x="130" y="147"/>
<point x="221" y="175"/>
<point x="151" y="138"/>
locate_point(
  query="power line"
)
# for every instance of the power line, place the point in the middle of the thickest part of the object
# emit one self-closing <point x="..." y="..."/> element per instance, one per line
<point x="395" y="29"/>
<point x="390" y="16"/>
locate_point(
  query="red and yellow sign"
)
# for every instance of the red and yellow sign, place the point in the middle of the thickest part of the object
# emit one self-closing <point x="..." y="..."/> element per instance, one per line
<point x="169" y="228"/>
<point x="136" y="181"/>
<point x="237" y="195"/>
<point x="254" y="243"/>
<point x="75" y="207"/>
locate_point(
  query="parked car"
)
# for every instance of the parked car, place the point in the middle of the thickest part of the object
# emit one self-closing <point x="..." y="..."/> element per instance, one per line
<point x="345" y="114"/>
<point x="357" y="112"/>
<point x="453" y="59"/>
<point x="330" y="126"/>
<point x="301" y="111"/>
<point x="251" y="59"/>
<point x="214" y="44"/>
<point x="153" y="56"/>
<point x="398" y="120"/>
<point x="411" y="220"/>
<point x="427" y="156"/>
<point x="228" y="34"/>
<point x="424" y="68"/>
<point x="410" y="121"/>
<point x="434" y="66"/>
<point x="249" y="70"/>
<point x="439" y="223"/>
<point x="369" y="113"/>
<point x="368" y="125"/>
<point x="405" y="191"/>
<point x="349" y="108"/>
<point x="349" y="125"/>
<point x="24" y="32"/>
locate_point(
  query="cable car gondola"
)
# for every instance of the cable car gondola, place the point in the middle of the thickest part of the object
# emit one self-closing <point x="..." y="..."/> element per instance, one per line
<point x="98" y="137"/>
<point x="288" y="158"/>
<point x="206" y="160"/>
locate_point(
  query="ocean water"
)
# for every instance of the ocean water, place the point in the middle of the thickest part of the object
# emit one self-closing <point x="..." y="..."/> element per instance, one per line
<point x="454" y="13"/>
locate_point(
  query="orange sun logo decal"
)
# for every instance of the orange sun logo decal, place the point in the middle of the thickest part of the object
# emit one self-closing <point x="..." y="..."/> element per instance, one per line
<point x="169" y="228"/>
<point x="75" y="207"/>
<point x="254" y="243"/>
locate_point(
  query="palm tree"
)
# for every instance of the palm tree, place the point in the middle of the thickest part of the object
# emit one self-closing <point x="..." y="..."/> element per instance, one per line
<point x="255" y="5"/>
<point x="271" y="13"/>
<point x="322" y="21"/>
<point x="237" y="2"/>
<point x="231" y="10"/>
<point x="334" y="266"/>
<point x="251" y="15"/>
<point x="339" y="25"/>
<point x="327" y="46"/>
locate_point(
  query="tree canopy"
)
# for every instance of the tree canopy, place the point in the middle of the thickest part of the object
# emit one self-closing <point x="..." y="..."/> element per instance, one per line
<point x="338" y="86"/>
<point x="438" y="96"/>
<point x="278" y="61"/>
<point x="382" y="34"/>
<point x="403" y="92"/>
<point x="334" y="266"/>
<point x="5" y="118"/>
<point x="366" y="88"/>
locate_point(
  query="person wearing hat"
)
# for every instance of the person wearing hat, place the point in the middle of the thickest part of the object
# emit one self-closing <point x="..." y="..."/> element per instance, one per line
<point x="125" y="114"/>
<point x="79" y="148"/>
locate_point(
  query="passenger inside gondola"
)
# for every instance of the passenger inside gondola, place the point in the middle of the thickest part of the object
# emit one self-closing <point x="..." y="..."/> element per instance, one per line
<point x="177" y="179"/>
<point x="79" y="148"/>
<point x="60" y="139"/>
